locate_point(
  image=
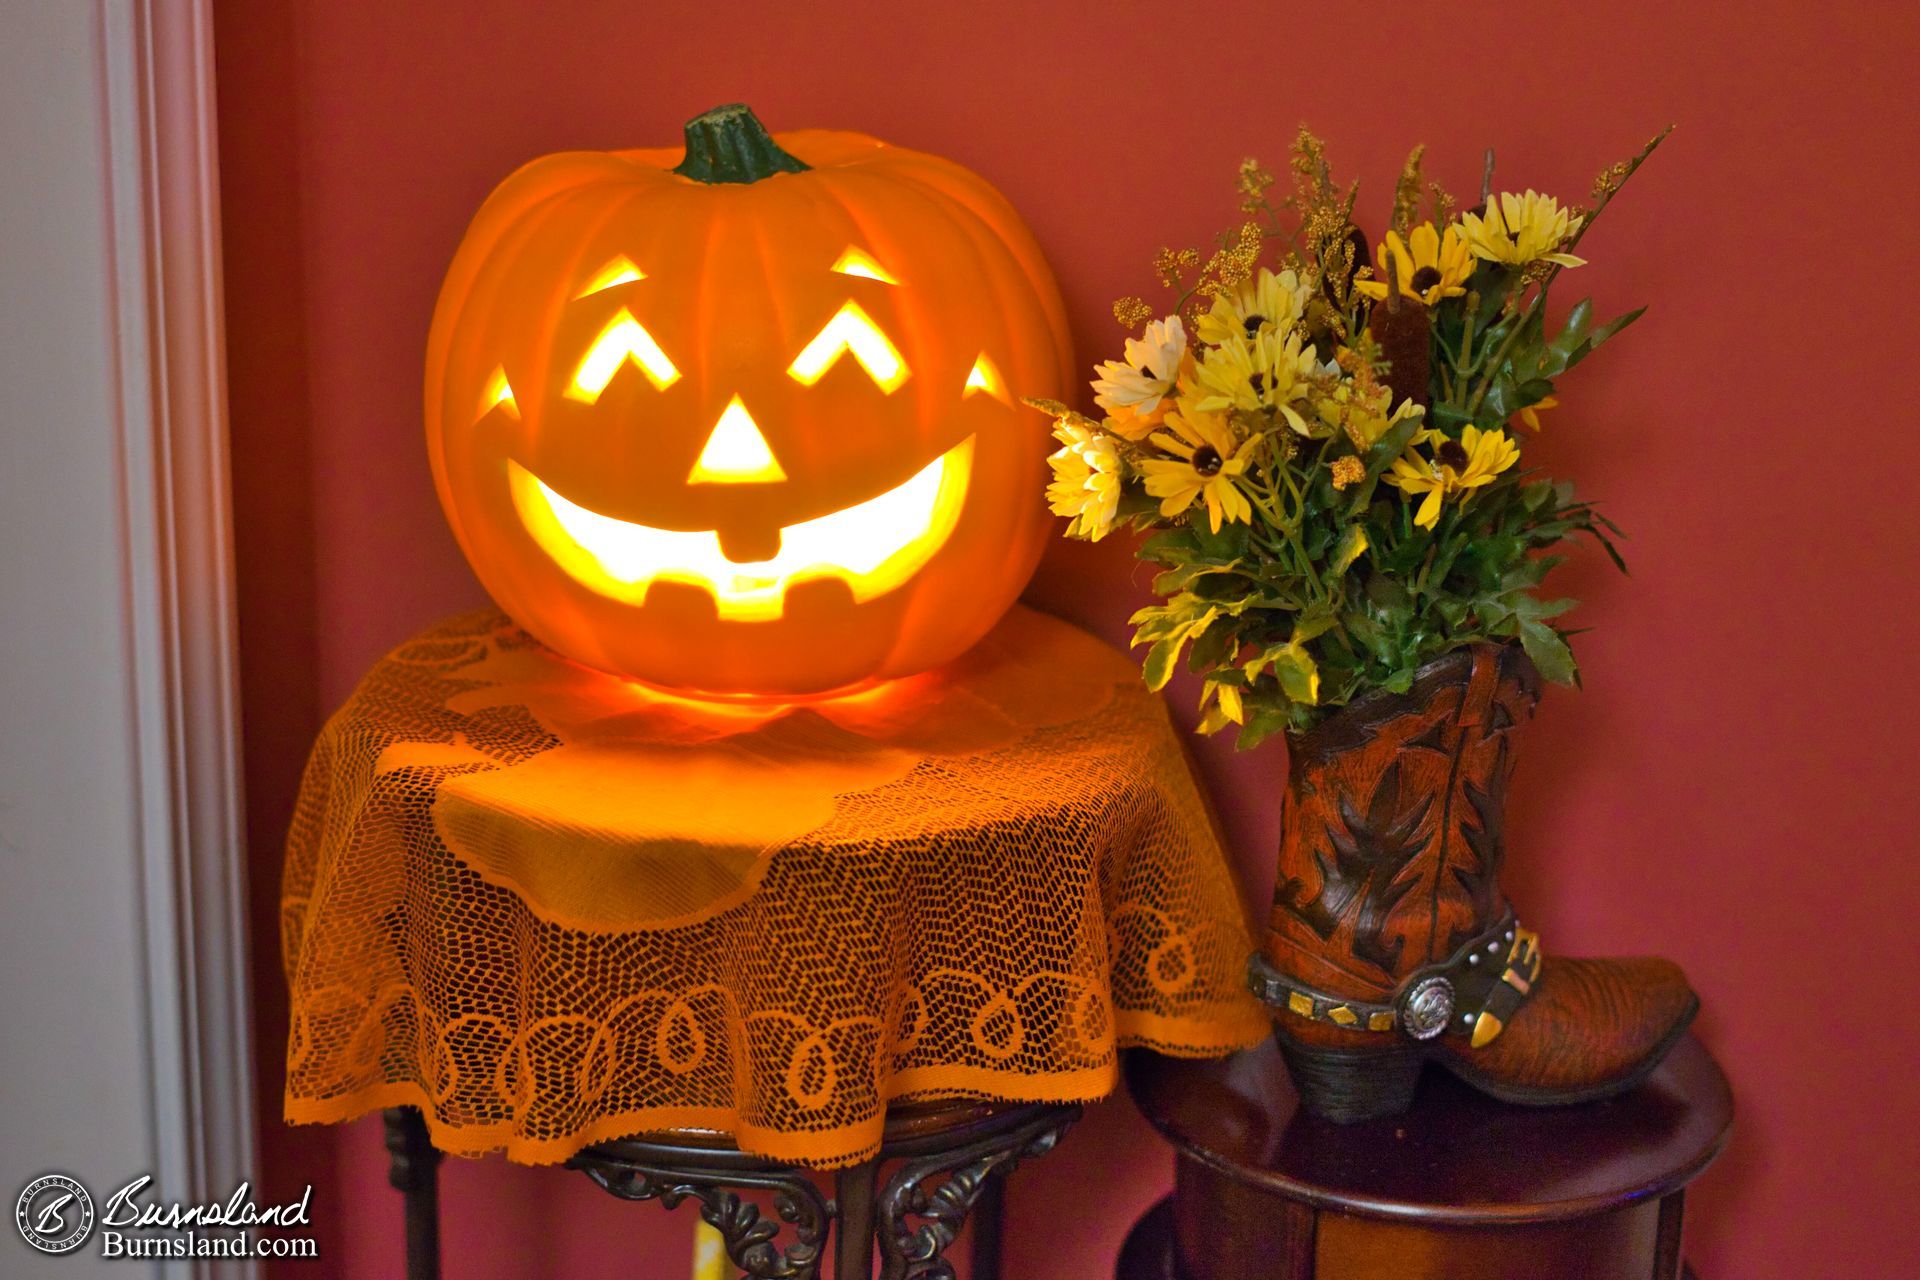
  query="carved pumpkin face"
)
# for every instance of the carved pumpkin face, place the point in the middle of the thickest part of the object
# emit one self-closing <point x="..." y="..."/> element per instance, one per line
<point x="746" y="426"/>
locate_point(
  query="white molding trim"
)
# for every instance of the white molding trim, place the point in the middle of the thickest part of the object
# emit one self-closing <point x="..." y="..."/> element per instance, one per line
<point x="177" y="553"/>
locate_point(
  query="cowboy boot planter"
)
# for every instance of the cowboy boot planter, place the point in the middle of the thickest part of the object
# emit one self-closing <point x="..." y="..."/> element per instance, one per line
<point x="1390" y="944"/>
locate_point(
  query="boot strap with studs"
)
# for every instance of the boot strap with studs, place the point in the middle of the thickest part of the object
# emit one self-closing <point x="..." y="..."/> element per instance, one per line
<point x="1473" y="993"/>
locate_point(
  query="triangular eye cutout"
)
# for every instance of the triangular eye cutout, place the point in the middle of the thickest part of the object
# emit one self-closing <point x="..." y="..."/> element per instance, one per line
<point x="984" y="377"/>
<point x="498" y="394"/>
<point x="857" y="262"/>
<point x="736" y="452"/>
<point x="851" y="329"/>
<point x="620" y="271"/>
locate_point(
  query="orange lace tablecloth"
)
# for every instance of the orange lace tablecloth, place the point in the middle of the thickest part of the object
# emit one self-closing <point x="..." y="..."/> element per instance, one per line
<point x="550" y="908"/>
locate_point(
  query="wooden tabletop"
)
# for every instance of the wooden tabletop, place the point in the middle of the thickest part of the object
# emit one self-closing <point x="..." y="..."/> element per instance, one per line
<point x="1456" y="1157"/>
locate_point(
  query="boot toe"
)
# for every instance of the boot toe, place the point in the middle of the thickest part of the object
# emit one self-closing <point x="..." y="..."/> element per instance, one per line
<point x="1591" y="1028"/>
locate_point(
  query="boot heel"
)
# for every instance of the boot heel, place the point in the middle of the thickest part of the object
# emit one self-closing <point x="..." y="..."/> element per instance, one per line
<point x="1349" y="1087"/>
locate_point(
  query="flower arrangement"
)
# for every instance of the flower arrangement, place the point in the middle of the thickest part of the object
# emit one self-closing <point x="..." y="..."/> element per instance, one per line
<point x="1324" y="448"/>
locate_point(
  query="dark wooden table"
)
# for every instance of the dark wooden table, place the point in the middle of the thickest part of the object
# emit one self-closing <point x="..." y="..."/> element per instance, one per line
<point x="1459" y="1188"/>
<point x="940" y="1165"/>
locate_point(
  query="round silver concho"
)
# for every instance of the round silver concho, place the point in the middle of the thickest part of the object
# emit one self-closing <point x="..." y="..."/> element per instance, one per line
<point x="1426" y="1006"/>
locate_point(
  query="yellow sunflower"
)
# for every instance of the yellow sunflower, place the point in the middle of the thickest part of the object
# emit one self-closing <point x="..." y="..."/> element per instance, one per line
<point x="1086" y="480"/>
<point x="1457" y="468"/>
<point x="1206" y="463"/>
<point x="1427" y="265"/>
<point x="1269" y="302"/>
<point x="1518" y="229"/>
<point x="1265" y="372"/>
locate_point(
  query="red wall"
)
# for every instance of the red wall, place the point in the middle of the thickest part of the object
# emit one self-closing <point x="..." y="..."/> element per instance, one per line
<point x="1734" y="788"/>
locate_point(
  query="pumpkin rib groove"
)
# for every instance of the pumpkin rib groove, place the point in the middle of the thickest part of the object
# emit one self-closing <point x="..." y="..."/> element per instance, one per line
<point x="982" y="226"/>
<point x="997" y="218"/>
<point x="924" y="614"/>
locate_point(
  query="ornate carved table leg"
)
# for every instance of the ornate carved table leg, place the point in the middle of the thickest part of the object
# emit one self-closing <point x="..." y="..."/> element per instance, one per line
<point x="939" y="1186"/>
<point x="636" y="1170"/>
<point x="414" y="1170"/>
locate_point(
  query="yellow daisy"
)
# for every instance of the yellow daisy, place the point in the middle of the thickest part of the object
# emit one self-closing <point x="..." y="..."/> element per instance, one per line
<point x="1427" y="265"/>
<point x="1269" y="302"/>
<point x="1086" y="480"/>
<point x="1206" y="464"/>
<point x="1458" y="467"/>
<point x="1518" y="229"/>
<point x="1266" y="372"/>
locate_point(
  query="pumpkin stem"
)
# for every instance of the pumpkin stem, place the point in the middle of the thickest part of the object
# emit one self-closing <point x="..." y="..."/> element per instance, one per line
<point x="729" y="144"/>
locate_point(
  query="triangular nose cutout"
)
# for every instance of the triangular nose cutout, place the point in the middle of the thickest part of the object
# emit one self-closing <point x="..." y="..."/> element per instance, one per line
<point x="736" y="452"/>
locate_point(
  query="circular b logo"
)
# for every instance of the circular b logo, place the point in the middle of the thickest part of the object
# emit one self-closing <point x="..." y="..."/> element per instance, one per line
<point x="54" y="1214"/>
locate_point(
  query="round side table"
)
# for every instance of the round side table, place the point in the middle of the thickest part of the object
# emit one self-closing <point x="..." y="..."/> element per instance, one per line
<point x="940" y="1163"/>
<point x="1459" y="1188"/>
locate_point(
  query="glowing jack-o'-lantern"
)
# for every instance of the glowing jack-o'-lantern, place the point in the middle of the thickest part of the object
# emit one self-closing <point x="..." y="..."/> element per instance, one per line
<point x="741" y="422"/>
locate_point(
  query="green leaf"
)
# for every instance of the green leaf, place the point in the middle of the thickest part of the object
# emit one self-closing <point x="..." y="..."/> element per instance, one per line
<point x="1158" y="668"/>
<point x="1299" y="675"/>
<point x="1262" y="723"/>
<point x="1182" y="576"/>
<point x="1579" y="316"/>
<point x="1353" y="541"/>
<point x="1504" y="398"/>
<point x="1548" y="651"/>
<point x="1312" y="625"/>
<point x="1227" y="545"/>
<point x="1210" y="649"/>
<point x="1537" y="610"/>
<point x="1387" y="593"/>
<point x="1614" y="326"/>
<point x="1157" y="620"/>
<point x="1562" y="358"/>
<point x="1169" y="546"/>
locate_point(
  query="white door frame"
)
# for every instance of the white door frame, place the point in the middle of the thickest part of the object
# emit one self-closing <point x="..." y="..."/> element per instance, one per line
<point x="123" y="910"/>
<point x="157" y="76"/>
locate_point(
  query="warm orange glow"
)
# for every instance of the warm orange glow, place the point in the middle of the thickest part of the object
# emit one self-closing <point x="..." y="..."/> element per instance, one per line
<point x="873" y="546"/>
<point x="855" y="262"/>
<point x="499" y="393"/>
<point x="984" y="377"/>
<point x="623" y="339"/>
<point x="736" y="452"/>
<point x="620" y="271"/>
<point x="629" y="301"/>
<point x="851" y="329"/>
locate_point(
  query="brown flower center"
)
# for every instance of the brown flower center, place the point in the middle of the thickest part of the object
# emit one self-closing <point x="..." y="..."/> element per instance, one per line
<point x="1452" y="454"/>
<point x="1253" y="323"/>
<point x="1259" y="383"/>
<point x="1207" y="462"/>
<point x="1425" y="278"/>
